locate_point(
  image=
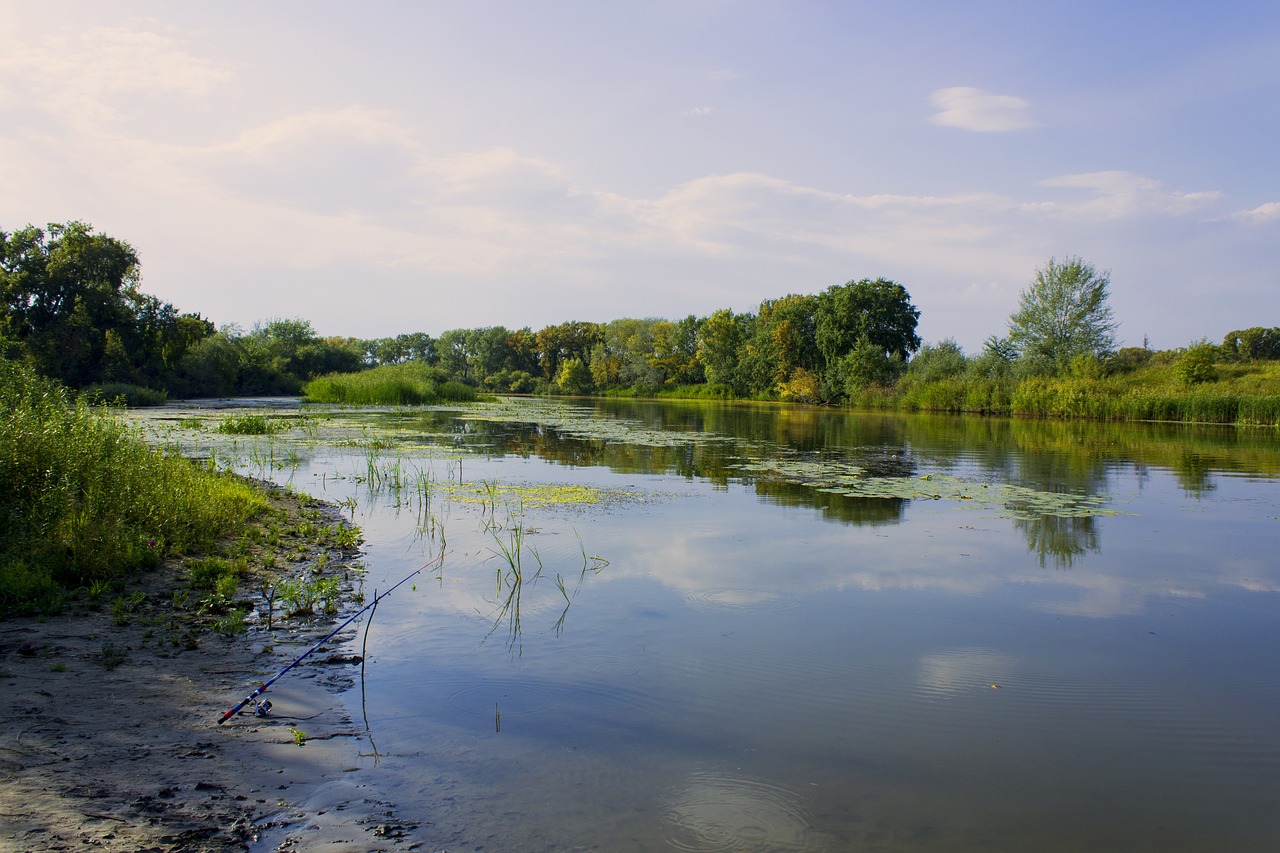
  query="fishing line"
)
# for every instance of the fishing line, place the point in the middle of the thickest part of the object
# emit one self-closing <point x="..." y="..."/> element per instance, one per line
<point x="262" y="708"/>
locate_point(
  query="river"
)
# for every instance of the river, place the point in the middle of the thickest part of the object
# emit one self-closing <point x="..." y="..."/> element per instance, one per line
<point x="739" y="627"/>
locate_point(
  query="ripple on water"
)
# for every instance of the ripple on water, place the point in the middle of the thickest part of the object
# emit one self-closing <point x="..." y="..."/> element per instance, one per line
<point x="742" y="598"/>
<point x="726" y="813"/>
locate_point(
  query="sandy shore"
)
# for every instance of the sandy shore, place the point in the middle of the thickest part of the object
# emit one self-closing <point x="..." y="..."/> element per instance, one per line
<point x="111" y="741"/>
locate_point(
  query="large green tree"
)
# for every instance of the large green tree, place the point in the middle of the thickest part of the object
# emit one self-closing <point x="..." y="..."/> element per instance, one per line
<point x="62" y="289"/>
<point x="1063" y="315"/>
<point x="70" y="307"/>
<point x="878" y="312"/>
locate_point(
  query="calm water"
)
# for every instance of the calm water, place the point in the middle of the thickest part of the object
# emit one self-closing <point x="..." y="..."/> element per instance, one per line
<point x="815" y="630"/>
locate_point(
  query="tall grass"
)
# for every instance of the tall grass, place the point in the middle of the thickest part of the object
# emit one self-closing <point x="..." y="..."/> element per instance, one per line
<point x="408" y="384"/>
<point x="1244" y="395"/>
<point x="86" y="500"/>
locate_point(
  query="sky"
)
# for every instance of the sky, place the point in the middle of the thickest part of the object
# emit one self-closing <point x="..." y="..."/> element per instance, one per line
<point x="379" y="168"/>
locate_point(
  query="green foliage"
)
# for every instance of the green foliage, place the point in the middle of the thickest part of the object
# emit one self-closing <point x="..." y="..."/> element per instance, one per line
<point x="71" y="308"/>
<point x="554" y="344"/>
<point x="85" y="499"/>
<point x="1198" y="363"/>
<point x="804" y="386"/>
<point x="1246" y="395"/>
<point x="863" y="312"/>
<point x="248" y="425"/>
<point x="1129" y="359"/>
<point x="231" y="623"/>
<point x="302" y="596"/>
<point x="1063" y="314"/>
<point x="409" y="384"/>
<point x="867" y="364"/>
<point x="574" y="377"/>
<point x="122" y="393"/>
<point x="1252" y="344"/>
<point x="935" y="362"/>
<point x="1087" y="365"/>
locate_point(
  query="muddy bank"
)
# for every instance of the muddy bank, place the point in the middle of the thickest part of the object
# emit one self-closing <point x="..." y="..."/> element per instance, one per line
<point x="111" y="741"/>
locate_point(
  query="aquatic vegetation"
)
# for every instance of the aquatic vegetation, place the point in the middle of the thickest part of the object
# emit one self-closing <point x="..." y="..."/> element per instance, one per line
<point x="410" y="384"/>
<point x="249" y="424"/>
<point x="301" y="596"/>
<point x="1006" y="499"/>
<point x="533" y="495"/>
<point x="581" y="423"/>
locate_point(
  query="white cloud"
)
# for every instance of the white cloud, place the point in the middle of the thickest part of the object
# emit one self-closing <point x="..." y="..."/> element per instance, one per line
<point x="967" y="108"/>
<point x="698" y="111"/>
<point x="79" y="75"/>
<point x="1268" y="212"/>
<point x="954" y="671"/>
<point x="1120" y="194"/>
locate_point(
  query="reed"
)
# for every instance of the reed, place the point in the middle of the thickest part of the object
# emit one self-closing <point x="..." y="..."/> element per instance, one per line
<point x="87" y="500"/>
<point x="408" y="384"/>
<point x="1242" y="395"/>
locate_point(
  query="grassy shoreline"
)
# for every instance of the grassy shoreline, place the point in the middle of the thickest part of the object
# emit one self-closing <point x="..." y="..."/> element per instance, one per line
<point x="91" y="507"/>
<point x="1242" y="395"/>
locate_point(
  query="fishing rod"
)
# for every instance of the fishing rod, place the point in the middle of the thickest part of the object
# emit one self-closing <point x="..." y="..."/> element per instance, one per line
<point x="262" y="688"/>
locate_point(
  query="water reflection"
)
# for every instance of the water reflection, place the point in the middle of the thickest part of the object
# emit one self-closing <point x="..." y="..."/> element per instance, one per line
<point x="1059" y="541"/>
<point x="749" y="675"/>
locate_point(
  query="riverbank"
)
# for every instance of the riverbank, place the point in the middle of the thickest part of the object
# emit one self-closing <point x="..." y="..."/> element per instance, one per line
<point x="112" y="741"/>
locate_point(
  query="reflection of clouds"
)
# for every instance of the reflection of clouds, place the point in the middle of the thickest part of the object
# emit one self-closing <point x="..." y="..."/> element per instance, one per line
<point x="1100" y="596"/>
<point x="955" y="670"/>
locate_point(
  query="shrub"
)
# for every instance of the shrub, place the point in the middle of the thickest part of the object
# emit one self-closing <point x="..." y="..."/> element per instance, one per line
<point x="1198" y="363"/>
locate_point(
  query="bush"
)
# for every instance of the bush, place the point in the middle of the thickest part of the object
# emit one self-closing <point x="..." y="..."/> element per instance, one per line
<point x="1129" y="359"/>
<point x="1198" y="363"/>
<point x="935" y="362"/>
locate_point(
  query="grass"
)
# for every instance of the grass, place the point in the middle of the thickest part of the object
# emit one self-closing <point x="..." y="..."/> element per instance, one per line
<point x="1242" y="394"/>
<point x="85" y="500"/>
<point x="389" y="385"/>
<point x="249" y="424"/>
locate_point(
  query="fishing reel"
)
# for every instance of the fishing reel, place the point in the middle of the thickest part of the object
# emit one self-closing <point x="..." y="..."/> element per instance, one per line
<point x="261" y="709"/>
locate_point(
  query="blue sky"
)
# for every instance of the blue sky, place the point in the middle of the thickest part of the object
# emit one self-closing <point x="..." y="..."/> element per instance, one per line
<point x="380" y="168"/>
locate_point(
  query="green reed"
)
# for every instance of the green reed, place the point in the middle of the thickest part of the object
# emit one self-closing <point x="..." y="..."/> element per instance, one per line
<point x="85" y="498"/>
<point x="411" y="384"/>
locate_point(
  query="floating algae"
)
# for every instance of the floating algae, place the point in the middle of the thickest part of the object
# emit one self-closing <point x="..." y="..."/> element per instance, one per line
<point x="534" y="495"/>
<point x="850" y="480"/>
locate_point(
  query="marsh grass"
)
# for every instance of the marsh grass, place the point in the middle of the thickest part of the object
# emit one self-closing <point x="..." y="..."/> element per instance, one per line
<point x="1242" y="394"/>
<point x="250" y="424"/>
<point x="389" y="385"/>
<point x="86" y="500"/>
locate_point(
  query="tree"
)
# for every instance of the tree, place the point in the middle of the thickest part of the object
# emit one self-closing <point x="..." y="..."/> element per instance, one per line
<point x="935" y="362"/>
<point x="720" y="341"/>
<point x="877" y="312"/>
<point x="61" y="290"/>
<point x="1062" y="315"/>
<point x="574" y="376"/>
<point x="574" y="339"/>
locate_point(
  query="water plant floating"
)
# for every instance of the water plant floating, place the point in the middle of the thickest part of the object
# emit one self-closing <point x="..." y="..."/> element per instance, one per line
<point x="1006" y="499"/>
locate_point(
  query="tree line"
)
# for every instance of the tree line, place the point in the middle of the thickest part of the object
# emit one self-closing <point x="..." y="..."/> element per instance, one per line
<point x="71" y="307"/>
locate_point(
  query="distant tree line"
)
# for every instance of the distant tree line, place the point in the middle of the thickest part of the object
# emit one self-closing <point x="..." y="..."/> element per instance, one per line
<point x="71" y="308"/>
